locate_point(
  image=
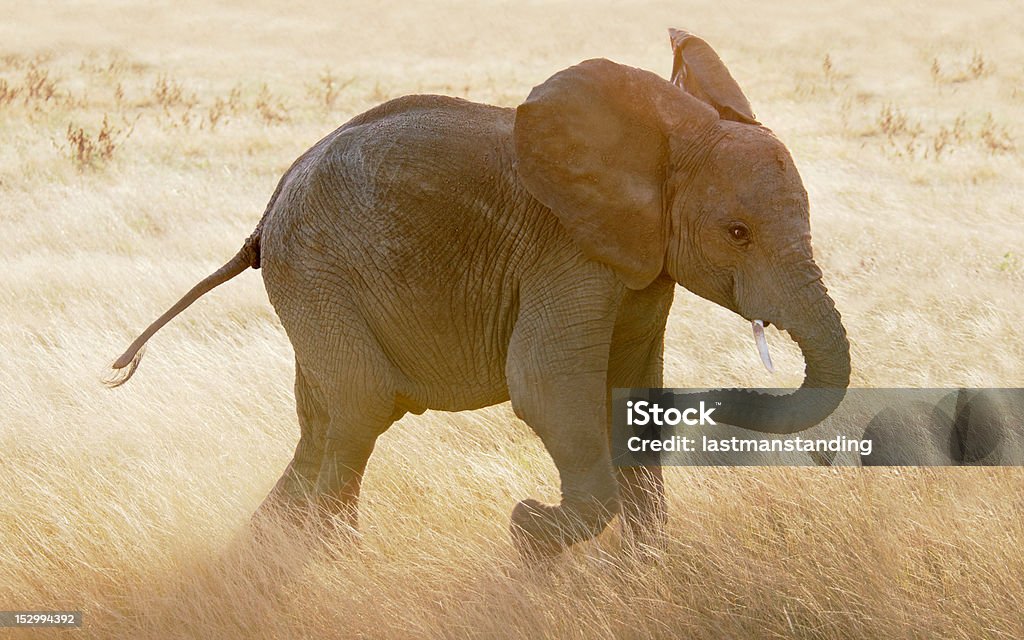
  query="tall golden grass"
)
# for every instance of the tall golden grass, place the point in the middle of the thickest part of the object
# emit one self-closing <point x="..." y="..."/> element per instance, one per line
<point x="138" y="146"/>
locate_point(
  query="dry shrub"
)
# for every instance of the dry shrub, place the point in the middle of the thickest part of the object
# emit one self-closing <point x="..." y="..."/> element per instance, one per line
<point x="223" y="107"/>
<point x="892" y="122"/>
<point x="960" y="71"/>
<point x="168" y="92"/>
<point x="90" y="152"/>
<point x="271" y="110"/>
<point x="217" y="112"/>
<point x="8" y="94"/>
<point x="39" y="86"/>
<point x="327" y="89"/>
<point x="995" y="137"/>
<point x="906" y="137"/>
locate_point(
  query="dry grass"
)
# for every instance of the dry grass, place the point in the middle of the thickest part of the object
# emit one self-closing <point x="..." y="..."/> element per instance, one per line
<point x="905" y="124"/>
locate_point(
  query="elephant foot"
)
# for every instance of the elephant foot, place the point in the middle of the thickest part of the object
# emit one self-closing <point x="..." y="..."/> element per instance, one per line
<point x="278" y="521"/>
<point x="337" y="517"/>
<point x="643" y="515"/>
<point x="643" y="531"/>
<point x="315" y="526"/>
<point x="290" y="499"/>
<point x="530" y="531"/>
<point x="643" y="540"/>
<point x="541" y="532"/>
<point x="292" y="508"/>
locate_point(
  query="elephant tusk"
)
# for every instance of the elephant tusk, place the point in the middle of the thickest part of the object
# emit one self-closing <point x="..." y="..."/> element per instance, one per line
<point x="762" y="345"/>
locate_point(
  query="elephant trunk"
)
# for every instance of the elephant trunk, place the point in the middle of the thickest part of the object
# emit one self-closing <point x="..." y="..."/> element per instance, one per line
<point x="822" y="340"/>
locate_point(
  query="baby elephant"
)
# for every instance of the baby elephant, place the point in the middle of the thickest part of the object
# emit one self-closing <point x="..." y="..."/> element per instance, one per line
<point x="434" y="253"/>
<point x="967" y="427"/>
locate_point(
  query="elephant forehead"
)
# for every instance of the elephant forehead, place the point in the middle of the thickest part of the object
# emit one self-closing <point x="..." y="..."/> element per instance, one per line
<point x="757" y="189"/>
<point x="760" y="174"/>
<point x="775" y="194"/>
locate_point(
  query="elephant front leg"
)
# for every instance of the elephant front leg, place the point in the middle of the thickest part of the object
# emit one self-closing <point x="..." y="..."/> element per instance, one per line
<point x="588" y="490"/>
<point x="557" y="375"/>
<point x="642" y="493"/>
<point x="636" y="360"/>
<point x="641" y="489"/>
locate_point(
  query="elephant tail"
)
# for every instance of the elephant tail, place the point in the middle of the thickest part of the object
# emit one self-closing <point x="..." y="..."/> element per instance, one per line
<point x="248" y="256"/>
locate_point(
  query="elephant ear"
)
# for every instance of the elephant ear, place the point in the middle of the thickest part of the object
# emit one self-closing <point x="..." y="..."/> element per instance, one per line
<point x="698" y="70"/>
<point x="591" y="144"/>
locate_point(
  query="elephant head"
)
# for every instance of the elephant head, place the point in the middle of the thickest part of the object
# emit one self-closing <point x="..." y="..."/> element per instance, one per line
<point x="678" y="179"/>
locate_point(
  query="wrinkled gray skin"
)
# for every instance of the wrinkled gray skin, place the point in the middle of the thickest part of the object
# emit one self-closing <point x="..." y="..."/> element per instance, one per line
<point x="434" y="253"/>
<point x="966" y="427"/>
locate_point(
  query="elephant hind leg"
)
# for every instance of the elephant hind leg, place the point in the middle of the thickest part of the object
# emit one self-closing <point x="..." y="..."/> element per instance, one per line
<point x="345" y="393"/>
<point x="293" y="490"/>
<point x="350" y="440"/>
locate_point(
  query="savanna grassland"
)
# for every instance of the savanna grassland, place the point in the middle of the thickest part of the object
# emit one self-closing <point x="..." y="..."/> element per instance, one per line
<point x="138" y="147"/>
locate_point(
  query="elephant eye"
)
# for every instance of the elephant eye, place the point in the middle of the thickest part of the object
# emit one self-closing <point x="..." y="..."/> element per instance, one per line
<point x="739" y="232"/>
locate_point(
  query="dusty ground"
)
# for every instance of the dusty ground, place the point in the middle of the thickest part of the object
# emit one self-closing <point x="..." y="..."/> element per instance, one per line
<point x="905" y="125"/>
